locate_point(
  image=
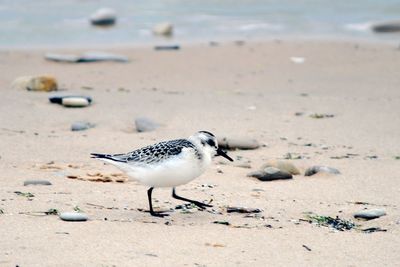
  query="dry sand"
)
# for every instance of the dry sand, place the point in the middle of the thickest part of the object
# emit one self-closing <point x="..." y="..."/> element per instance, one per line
<point x="253" y="90"/>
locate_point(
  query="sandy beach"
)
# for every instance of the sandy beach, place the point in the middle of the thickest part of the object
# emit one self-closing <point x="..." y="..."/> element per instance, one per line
<point x="250" y="90"/>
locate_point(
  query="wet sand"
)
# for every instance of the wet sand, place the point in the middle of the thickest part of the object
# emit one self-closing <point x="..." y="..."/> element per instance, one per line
<point x="252" y="90"/>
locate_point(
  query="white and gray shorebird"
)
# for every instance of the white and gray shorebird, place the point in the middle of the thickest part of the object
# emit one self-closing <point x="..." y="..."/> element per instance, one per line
<point x="169" y="164"/>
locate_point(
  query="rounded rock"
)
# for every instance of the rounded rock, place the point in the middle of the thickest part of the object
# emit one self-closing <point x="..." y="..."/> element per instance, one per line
<point x="321" y="169"/>
<point x="237" y="143"/>
<point x="103" y="17"/>
<point x="386" y="27"/>
<point x="145" y="125"/>
<point x="44" y="83"/>
<point x="270" y="174"/>
<point x="165" y="29"/>
<point x="370" y="214"/>
<point x="75" y="102"/>
<point x="81" y="126"/>
<point x="283" y="166"/>
<point x="59" y="99"/>
<point x="73" y="217"/>
<point x="36" y="182"/>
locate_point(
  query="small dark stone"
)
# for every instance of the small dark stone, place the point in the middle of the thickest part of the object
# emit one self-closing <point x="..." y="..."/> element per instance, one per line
<point x="167" y="47"/>
<point x="373" y="229"/>
<point x="222" y="222"/>
<point x="36" y="182"/>
<point x="81" y="126"/>
<point x="387" y="27"/>
<point x="270" y="174"/>
<point x="320" y="169"/>
<point x="242" y="210"/>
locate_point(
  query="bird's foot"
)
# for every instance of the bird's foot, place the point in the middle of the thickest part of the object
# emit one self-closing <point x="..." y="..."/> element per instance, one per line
<point x="158" y="214"/>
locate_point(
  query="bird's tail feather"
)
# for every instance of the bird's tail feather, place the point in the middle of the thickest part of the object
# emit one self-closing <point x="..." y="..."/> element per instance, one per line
<point x="100" y="156"/>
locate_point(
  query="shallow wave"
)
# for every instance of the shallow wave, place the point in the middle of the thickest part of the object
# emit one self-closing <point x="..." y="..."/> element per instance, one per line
<point x="260" y="26"/>
<point x="359" y="27"/>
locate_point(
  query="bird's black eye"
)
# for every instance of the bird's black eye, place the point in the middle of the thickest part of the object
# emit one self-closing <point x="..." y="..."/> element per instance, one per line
<point x="211" y="142"/>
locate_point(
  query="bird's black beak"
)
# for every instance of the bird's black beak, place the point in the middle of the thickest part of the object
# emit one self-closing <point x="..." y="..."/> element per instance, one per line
<point x="220" y="152"/>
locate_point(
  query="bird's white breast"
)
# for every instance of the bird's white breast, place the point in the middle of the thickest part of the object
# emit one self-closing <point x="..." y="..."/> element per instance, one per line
<point x="177" y="170"/>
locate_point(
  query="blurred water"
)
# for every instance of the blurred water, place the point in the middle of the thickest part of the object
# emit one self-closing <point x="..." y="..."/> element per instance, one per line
<point x="65" y="22"/>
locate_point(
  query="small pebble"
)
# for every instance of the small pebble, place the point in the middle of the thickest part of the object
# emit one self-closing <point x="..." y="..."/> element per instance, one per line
<point x="63" y="99"/>
<point x="298" y="60"/>
<point x="387" y="27"/>
<point x="36" y="182"/>
<point x="75" y="102"/>
<point x="81" y="126"/>
<point x="167" y="47"/>
<point x="270" y="174"/>
<point x="283" y="166"/>
<point x="237" y="143"/>
<point x="321" y="169"/>
<point x="370" y="214"/>
<point x="103" y="17"/>
<point x="73" y="216"/>
<point x="165" y="29"/>
<point x="145" y="125"/>
<point x="43" y="83"/>
<point x="242" y="210"/>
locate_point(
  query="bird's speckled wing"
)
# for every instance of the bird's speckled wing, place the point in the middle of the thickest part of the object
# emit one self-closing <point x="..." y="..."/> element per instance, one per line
<point x="154" y="153"/>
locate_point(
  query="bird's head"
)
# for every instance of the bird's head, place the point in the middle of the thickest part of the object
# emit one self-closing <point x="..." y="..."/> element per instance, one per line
<point x="209" y="144"/>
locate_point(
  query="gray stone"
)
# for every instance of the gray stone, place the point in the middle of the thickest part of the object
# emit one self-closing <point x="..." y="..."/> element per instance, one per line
<point x="167" y="47"/>
<point x="103" y="17"/>
<point x="81" y="126"/>
<point x="370" y="214"/>
<point x="73" y="216"/>
<point x="145" y="125"/>
<point x="321" y="169"/>
<point x="386" y="27"/>
<point x="92" y="56"/>
<point x="237" y="143"/>
<point x="270" y="174"/>
<point x="283" y="166"/>
<point x="36" y="182"/>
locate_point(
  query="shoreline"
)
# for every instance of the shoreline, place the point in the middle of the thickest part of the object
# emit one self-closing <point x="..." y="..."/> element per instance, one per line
<point x="229" y="40"/>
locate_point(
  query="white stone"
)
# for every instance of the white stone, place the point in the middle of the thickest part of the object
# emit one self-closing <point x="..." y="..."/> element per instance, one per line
<point x="73" y="216"/>
<point x="75" y="102"/>
<point x="165" y="29"/>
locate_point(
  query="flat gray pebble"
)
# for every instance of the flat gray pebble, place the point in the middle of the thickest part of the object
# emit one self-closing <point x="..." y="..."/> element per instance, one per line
<point x="285" y="166"/>
<point x="81" y="126"/>
<point x="145" y="124"/>
<point x="370" y="214"/>
<point x="73" y="216"/>
<point x="270" y="174"/>
<point x="318" y="169"/>
<point x="36" y="182"/>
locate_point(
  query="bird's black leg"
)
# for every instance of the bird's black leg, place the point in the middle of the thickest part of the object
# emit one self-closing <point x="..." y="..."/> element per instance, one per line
<point x="157" y="214"/>
<point x="197" y="203"/>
